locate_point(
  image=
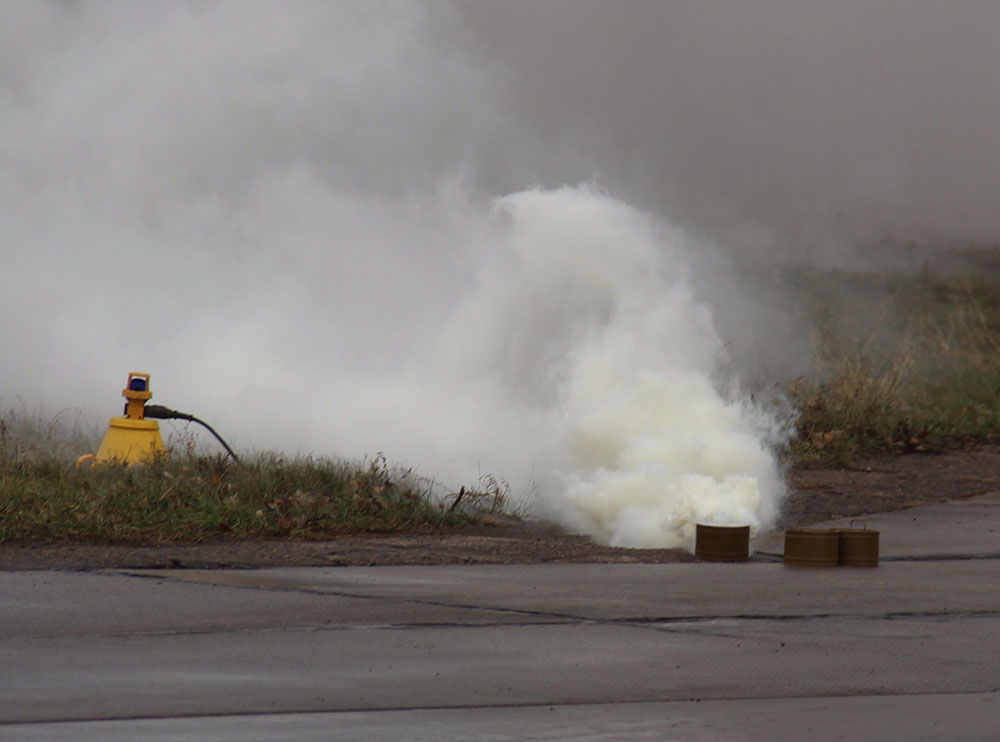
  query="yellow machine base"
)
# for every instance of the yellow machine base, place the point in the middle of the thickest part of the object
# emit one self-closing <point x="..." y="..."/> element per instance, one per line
<point x="131" y="441"/>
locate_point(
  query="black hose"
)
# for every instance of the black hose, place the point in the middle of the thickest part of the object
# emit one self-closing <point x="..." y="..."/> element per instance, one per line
<point x="159" y="412"/>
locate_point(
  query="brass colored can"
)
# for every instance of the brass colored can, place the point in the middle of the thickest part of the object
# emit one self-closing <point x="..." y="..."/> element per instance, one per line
<point x="722" y="543"/>
<point x="811" y="547"/>
<point x="858" y="547"/>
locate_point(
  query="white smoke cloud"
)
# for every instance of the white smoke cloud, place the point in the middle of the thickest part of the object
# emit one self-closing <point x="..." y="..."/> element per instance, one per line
<point x="580" y="362"/>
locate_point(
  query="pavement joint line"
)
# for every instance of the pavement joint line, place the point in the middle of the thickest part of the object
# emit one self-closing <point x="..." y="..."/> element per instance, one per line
<point x="489" y="706"/>
<point x="887" y="616"/>
<point x="666" y="624"/>
<point x="342" y="594"/>
<point x="568" y="619"/>
<point x="281" y="630"/>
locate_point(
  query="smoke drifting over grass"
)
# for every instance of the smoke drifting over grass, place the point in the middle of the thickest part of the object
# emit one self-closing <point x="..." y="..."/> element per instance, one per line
<point x="286" y="213"/>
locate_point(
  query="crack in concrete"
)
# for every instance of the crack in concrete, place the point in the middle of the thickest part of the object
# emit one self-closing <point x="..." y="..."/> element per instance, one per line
<point x="670" y="624"/>
<point x="359" y="596"/>
<point x="483" y="706"/>
<point x="550" y="618"/>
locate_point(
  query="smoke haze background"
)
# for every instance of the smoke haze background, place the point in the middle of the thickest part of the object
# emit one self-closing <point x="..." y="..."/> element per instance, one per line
<point x="286" y="213"/>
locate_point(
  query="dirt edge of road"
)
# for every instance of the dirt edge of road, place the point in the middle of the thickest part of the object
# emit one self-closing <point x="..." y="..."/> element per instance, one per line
<point x="873" y="485"/>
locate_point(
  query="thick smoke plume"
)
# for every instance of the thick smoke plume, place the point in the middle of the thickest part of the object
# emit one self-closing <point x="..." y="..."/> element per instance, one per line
<point x="287" y="214"/>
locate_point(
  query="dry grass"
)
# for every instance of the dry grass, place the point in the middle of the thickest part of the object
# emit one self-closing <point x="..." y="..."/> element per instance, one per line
<point x="43" y="497"/>
<point x="903" y="363"/>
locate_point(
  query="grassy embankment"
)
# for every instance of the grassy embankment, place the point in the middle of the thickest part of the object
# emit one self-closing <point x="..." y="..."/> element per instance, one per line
<point x="188" y="496"/>
<point x="904" y="363"/>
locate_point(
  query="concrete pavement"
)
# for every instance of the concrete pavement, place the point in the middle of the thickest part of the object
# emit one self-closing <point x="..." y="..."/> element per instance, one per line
<point x="910" y="650"/>
<point x="958" y="529"/>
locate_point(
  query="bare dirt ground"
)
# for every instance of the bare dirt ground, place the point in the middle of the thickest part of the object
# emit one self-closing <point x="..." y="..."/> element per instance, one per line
<point x="872" y="485"/>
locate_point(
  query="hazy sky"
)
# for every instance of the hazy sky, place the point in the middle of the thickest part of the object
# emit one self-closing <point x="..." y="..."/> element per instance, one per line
<point x="873" y="118"/>
<point x="258" y="201"/>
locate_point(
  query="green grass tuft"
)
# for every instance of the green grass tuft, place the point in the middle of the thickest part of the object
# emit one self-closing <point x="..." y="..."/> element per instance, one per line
<point x="196" y="498"/>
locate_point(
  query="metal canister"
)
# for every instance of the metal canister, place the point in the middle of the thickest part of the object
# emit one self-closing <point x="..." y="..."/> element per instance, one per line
<point x="811" y="547"/>
<point x="857" y="547"/>
<point x="722" y="543"/>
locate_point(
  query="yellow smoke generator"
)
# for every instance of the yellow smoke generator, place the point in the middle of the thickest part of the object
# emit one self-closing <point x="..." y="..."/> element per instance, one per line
<point x="133" y="437"/>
